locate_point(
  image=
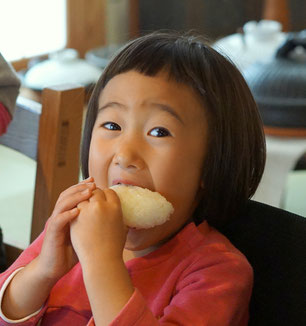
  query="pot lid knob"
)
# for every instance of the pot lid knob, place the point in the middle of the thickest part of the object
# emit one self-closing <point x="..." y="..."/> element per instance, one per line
<point x="294" y="47"/>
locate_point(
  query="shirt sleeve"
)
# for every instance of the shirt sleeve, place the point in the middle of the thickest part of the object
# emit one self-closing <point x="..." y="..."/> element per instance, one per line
<point x="5" y="285"/>
<point x="205" y="295"/>
<point x="26" y="257"/>
<point x="5" y="119"/>
<point x="9" y="85"/>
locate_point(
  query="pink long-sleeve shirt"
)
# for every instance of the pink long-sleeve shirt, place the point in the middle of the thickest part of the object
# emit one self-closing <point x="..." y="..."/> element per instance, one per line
<point x="5" y="119"/>
<point x="197" y="278"/>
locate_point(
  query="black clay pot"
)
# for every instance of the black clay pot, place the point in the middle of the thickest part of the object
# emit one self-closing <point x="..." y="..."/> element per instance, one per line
<point x="279" y="86"/>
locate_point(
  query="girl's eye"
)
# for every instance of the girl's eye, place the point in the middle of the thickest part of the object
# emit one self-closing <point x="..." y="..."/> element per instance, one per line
<point x="159" y="132"/>
<point x="111" y="126"/>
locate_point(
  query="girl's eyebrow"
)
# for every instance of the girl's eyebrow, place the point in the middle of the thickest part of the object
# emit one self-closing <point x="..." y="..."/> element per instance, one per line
<point x="110" y="104"/>
<point x="169" y="109"/>
<point x="159" y="106"/>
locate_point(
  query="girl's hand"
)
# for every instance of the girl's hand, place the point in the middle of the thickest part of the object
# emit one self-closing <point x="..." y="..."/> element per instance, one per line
<point x="98" y="231"/>
<point x="57" y="255"/>
<point x="98" y="236"/>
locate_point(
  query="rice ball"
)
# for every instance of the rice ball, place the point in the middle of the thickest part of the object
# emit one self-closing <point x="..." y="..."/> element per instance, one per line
<point x="141" y="207"/>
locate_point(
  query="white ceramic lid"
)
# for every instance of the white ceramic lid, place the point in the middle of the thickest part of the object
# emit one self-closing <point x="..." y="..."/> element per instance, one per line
<point x="62" y="67"/>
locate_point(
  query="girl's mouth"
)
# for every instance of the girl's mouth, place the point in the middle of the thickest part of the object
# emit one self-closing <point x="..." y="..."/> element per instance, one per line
<point x="126" y="182"/>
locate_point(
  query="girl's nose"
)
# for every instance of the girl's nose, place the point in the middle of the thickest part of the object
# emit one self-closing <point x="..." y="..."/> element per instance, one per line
<point x="127" y="157"/>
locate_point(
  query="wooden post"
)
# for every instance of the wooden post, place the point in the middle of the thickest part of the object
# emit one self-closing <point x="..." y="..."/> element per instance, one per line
<point x="58" y="150"/>
<point x="277" y="10"/>
<point x="134" y="18"/>
<point x="85" y="24"/>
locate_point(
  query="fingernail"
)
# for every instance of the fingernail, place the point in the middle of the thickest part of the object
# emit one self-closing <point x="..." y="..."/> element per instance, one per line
<point x="86" y="191"/>
<point x="74" y="210"/>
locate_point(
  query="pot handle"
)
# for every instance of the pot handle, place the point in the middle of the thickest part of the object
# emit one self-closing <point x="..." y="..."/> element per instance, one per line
<point x="293" y="40"/>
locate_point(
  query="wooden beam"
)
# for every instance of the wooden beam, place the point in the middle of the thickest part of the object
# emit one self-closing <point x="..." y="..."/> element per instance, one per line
<point x="277" y="10"/>
<point x="58" y="150"/>
<point x="22" y="64"/>
<point x="285" y="132"/>
<point x="134" y="18"/>
<point x="85" y="24"/>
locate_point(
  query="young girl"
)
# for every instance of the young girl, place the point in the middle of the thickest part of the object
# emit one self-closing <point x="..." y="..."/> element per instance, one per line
<point x="172" y="115"/>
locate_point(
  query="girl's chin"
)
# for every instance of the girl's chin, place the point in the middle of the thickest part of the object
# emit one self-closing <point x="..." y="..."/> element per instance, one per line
<point x="134" y="237"/>
<point x="139" y="239"/>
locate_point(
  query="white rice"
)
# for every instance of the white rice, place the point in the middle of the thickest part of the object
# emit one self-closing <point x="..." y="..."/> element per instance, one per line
<point x="143" y="208"/>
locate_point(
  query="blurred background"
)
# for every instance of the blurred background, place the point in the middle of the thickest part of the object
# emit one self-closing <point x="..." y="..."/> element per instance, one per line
<point x="34" y="27"/>
<point x="36" y="30"/>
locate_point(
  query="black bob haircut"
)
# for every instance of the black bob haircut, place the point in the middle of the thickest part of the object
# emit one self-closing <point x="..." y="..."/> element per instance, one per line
<point x="236" y="152"/>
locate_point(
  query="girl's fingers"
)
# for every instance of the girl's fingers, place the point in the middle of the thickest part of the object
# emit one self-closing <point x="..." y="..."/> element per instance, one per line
<point x="89" y="179"/>
<point x="89" y="182"/>
<point x="111" y="196"/>
<point x="98" y="194"/>
<point x="78" y="187"/>
<point x="75" y="194"/>
<point x="107" y="194"/>
<point x="62" y="219"/>
<point x="72" y="200"/>
<point x="72" y="196"/>
<point x="82" y="204"/>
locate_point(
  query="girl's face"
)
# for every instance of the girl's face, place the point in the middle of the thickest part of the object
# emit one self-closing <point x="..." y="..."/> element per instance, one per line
<point x="150" y="132"/>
